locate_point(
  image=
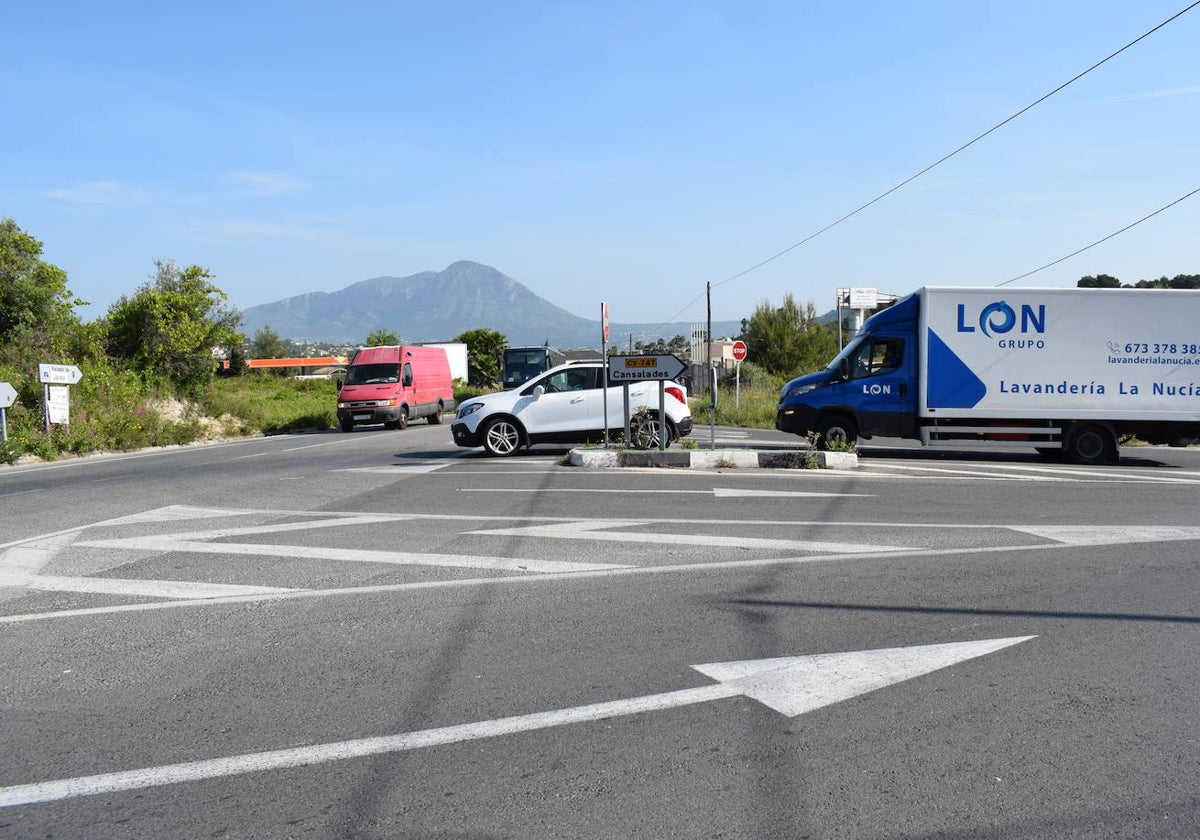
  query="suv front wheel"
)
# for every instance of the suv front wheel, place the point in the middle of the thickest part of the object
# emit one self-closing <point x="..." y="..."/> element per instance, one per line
<point x="501" y="437"/>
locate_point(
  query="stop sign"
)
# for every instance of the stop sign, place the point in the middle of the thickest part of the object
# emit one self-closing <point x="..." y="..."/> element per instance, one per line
<point x="739" y="351"/>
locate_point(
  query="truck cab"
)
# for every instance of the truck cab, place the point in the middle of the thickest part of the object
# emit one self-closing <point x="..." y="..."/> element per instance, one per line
<point x="867" y="390"/>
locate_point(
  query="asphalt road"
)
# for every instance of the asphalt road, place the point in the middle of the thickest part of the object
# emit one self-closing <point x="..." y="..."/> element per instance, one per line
<point x="378" y="635"/>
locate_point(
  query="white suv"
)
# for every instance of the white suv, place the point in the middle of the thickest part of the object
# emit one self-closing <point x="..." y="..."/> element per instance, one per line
<point x="566" y="405"/>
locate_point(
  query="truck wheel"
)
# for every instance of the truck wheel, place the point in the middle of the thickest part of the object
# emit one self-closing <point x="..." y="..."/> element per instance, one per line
<point x="836" y="432"/>
<point x="347" y="427"/>
<point x="1091" y="444"/>
<point x="501" y="437"/>
<point x="436" y="417"/>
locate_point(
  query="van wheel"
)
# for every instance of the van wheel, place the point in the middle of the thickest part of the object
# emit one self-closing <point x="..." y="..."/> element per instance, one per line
<point x="347" y="427"/>
<point x="836" y="432"/>
<point x="436" y="417"/>
<point x="501" y="437"/>
<point x="401" y="421"/>
<point x="1092" y="444"/>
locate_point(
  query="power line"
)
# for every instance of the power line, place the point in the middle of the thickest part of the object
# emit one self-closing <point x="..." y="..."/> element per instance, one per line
<point x="1105" y="239"/>
<point x="947" y="157"/>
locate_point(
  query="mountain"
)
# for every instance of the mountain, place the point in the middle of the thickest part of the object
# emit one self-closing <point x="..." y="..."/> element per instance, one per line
<point x="437" y="306"/>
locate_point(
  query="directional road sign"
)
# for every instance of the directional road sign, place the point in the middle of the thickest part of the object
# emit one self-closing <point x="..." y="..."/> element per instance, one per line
<point x="622" y="369"/>
<point x="59" y="374"/>
<point x="8" y="395"/>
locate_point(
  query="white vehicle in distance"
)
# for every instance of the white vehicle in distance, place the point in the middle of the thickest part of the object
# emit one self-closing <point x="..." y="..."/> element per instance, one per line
<point x="566" y="405"/>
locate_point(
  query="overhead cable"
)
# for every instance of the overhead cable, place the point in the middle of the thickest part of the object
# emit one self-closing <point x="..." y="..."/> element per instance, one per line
<point x="1105" y="239"/>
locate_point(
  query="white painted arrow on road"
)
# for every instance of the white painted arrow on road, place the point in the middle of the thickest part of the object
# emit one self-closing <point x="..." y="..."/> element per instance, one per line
<point x="790" y="685"/>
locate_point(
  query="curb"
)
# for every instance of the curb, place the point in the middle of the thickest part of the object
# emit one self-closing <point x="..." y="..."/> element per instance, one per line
<point x="711" y="459"/>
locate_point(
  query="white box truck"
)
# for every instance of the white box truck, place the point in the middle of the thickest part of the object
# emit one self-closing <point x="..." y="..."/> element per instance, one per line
<point x="1053" y="369"/>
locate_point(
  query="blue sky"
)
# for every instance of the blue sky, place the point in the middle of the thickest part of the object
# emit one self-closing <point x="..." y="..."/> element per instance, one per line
<point x="622" y="151"/>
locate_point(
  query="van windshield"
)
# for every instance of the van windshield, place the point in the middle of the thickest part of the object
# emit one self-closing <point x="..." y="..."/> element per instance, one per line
<point x="372" y="374"/>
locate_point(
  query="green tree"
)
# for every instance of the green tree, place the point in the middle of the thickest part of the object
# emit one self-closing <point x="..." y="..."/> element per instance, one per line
<point x="267" y="344"/>
<point x="679" y="346"/>
<point x="168" y="330"/>
<point x="382" y="338"/>
<point x="485" y="356"/>
<point x="1100" y="281"/>
<point x="36" y="307"/>
<point x="1179" y="281"/>
<point x="787" y="340"/>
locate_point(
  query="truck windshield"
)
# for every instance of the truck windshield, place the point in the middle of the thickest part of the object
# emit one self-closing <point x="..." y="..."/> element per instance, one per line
<point x="372" y="374"/>
<point x="847" y="351"/>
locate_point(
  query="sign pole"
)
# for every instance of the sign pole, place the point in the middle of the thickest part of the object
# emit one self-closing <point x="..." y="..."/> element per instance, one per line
<point x="604" y="356"/>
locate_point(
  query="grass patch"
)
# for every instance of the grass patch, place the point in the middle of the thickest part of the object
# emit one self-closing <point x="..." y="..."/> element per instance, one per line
<point x="272" y="404"/>
<point x="755" y="408"/>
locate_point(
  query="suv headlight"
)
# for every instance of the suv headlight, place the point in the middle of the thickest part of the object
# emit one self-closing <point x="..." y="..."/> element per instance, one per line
<point x="469" y="409"/>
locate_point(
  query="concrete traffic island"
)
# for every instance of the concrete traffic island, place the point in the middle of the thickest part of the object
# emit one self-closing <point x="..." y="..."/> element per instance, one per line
<point x="711" y="459"/>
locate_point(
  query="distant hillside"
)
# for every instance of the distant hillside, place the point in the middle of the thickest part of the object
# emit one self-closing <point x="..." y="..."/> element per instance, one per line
<point x="436" y="306"/>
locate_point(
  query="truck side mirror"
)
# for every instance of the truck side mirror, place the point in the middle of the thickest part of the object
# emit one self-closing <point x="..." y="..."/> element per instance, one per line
<point x="843" y="370"/>
<point x="337" y="383"/>
<point x="407" y="380"/>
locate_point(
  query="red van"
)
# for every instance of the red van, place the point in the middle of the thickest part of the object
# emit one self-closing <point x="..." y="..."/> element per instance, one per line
<point x="392" y="385"/>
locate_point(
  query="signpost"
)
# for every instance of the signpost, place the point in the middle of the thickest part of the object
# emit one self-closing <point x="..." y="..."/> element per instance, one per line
<point x="59" y="374"/>
<point x="623" y="370"/>
<point x="739" y="355"/>
<point x="8" y="395"/>
<point x="56" y="397"/>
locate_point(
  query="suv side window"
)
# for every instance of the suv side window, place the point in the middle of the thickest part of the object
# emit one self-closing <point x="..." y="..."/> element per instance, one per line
<point x="572" y="379"/>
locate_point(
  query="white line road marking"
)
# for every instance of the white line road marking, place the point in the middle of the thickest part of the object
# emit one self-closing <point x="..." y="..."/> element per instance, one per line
<point x="1120" y="476"/>
<point x="350" y="555"/>
<point x="989" y="474"/>
<point x="1110" y="535"/>
<point x="719" y="492"/>
<point x="524" y="580"/>
<point x="279" y="528"/>
<point x="184" y="590"/>
<point x="788" y="685"/>
<point x="1063" y="536"/>
<point x="1017" y="472"/>
<point x="402" y="469"/>
<point x="558" y="490"/>
<point x="31" y="557"/>
<point x="178" y="513"/>
<point x="593" y="531"/>
<point x="724" y="493"/>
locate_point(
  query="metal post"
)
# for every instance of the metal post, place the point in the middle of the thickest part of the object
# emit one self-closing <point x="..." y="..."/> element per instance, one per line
<point x="712" y="377"/>
<point x="604" y="369"/>
<point x="625" y="394"/>
<point x="662" y="415"/>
